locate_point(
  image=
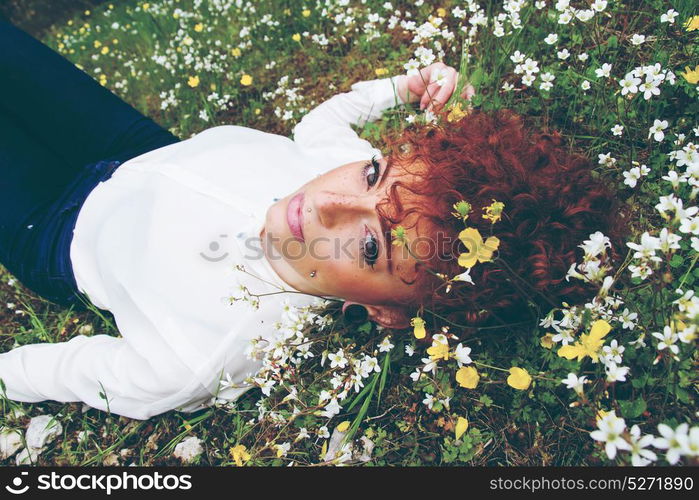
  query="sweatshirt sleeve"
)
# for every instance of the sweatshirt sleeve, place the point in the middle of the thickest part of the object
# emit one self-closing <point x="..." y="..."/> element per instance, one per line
<point x="328" y="125"/>
<point x="83" y="367"/>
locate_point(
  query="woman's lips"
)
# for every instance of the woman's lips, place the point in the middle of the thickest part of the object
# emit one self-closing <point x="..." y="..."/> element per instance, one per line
<point x="294" y="216"/>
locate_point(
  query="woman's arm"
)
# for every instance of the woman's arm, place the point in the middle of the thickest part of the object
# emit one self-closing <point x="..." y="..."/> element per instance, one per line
<point x="329" y="124"/>
<point x="102" y="371"/>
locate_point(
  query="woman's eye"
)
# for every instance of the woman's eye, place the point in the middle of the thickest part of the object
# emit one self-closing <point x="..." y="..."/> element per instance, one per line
<point x="371" y="249"/>
<point x="371" y="171"/>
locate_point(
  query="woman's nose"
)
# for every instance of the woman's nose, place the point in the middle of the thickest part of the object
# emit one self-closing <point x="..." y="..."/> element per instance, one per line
<point x="336" y="208"/>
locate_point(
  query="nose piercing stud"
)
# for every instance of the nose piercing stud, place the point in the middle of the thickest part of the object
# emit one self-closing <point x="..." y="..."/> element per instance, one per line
<point x="308" y="210"/>
<point x="313" y="274"/>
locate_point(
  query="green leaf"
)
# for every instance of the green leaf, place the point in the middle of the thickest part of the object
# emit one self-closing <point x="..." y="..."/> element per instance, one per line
<point x="676" y="260"/>
<point x="365" y="327"/>
<point x="633" y="409"/>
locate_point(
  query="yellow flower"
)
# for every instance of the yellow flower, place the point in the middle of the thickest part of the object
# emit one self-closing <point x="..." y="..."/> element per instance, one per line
<point x="467" y="377"/>
<point x="418" y="325"/>
<point x="188" y="40"/>
<point x="287" y="12"/>
<point x="103" y="79"/>
<point x="588" y="345"/>
<point x="546" y="341"/>
<point x="477" y="249"/>
<point x="399" y="236"/>
<point x="380" y="71"/>
<point x="235" y="51"/>
<point x="691" y="75"/>
<point x="519" y="378"/>
<point x="87" y="12"/>
<point x="343" y="426"/>
<point x="439" y="350"/>
<point x="305" y="12"/>
<point x="193" y="81"/>
<point x="198" y="27"/>
<point x="212" y="87"/>
<point x="461" y="426"/>
<point x="692" y="24"/>
<point x="441" y="12"/>
<point x="104" y="50"/>
<point x="462" y="210"/>
<point x="239" y="454"/>
<point x="455" y="113"/>
<point x="246" y="80"/>
<point x="258" y="111"/>
<point x="115" y="41"/>
<point x="145" y="6"/>
<point x="296" y="37"/>
<point x="97" y="44"/>
<point x="494" y="211"/>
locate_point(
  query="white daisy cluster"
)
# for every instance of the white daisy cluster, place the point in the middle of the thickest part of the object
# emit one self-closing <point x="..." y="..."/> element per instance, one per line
<point x="681" y="441"/>
<point x="293" y="107"/>
<point x="646" y="80"/>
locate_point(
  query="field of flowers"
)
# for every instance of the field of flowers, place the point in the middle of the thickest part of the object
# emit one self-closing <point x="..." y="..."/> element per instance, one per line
<point x="610" y="381"/>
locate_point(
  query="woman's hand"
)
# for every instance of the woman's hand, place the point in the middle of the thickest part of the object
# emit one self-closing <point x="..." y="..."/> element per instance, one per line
<point x="432" y="86"/>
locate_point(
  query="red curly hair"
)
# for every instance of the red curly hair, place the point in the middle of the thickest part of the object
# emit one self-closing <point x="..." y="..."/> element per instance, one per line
<point x="551" y="205"/>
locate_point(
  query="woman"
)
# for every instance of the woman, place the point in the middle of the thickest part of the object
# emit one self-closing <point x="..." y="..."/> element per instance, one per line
<point x="193" y="245"/>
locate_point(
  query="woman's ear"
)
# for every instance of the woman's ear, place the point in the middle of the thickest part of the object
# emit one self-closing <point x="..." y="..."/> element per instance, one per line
<point x="389" y="316"/>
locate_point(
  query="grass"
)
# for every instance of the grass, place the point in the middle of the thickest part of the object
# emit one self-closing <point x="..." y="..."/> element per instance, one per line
<point x="156" y="51"/>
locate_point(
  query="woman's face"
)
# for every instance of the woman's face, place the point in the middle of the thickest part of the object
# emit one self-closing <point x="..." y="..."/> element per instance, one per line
<point x="327" y="238"/>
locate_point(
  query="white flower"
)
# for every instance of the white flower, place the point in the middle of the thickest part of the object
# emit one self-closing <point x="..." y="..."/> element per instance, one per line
<point x="465" y="276"/>
<point x="669" y="16"/>
<point x="616" y="373"/>
<point x="627" y="318"/>
<point x="646" y="249"/>
<point x="323" y="432"/>
<point x="440" y="77"/>
<point x="585" y="85"/>
<point x="565" y="17"/>
<point x="629" y="84"/>
<point x="429" y="400"/>
<point x="506" y="87"/>
<point x="599" y="5"/>
<point x="649" y="88"/>
<point x="639" y="456"/>
<point x="563" y="54"/>
<point x="188" y="449"/>
<point x="385" y="345"/>
<point x="610" y="428"/>
<point x="531" y="66"/>
<point x="412" y="67"/>
<point x="331" y="409"/>
<point x="606" y="159"/>
<point x="528" y="79"/>
<point x="637" y="39"/>
<point x="540" y="4"/>
<point x="689" y="225"/>
<point x="585" y="15"/>
<point x="671" y="441"/>
<point x="517" y="57"/>
<point x="596" y="245"/>
<point x="613" y="351"/>
<point x="631" y="176"/>
<point x="657" y="130"/>
<point x="617" y="129"/>
<point x="668" y="240"/>
<point x="604" y="71"/>
<point x="574" y="382"/>
<point x="337" y="360"/>
<point x="409" y="350"/>
<point x="461" y="354"/>
<point x="551" y="38"/>
<point x="667" y="339"/>
<point x="416" y="375"/>
<point x="583" y="56"/>
<point x="690" y="445"/>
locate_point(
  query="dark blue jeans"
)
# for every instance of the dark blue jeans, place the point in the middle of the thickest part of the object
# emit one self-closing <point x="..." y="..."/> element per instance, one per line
<point x="61" y="133"/>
